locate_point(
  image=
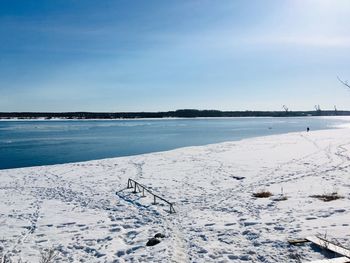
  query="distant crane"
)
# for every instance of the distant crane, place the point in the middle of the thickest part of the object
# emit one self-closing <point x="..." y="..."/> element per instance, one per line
<point x="285" y="108"/>
<point x="317" y="109"/>
<point x="335" y="110"/>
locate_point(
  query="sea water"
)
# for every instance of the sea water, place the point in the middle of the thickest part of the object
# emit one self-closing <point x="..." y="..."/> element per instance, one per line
<point x="39" y="142"/>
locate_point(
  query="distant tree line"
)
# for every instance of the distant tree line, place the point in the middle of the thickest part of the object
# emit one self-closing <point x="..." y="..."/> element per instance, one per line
<point x="183" y="113"/>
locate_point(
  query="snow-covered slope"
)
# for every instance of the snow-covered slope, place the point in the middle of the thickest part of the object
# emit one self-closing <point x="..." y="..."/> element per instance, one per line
<point x="74" y="208"/>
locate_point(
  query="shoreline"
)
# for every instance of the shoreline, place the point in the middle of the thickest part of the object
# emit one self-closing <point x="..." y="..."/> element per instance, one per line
<point x="336" y="127"/>
<point x="342" y="126"/>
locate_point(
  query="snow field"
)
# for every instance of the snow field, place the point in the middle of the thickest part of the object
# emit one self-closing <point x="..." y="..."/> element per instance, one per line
<point x="75" y="209"/>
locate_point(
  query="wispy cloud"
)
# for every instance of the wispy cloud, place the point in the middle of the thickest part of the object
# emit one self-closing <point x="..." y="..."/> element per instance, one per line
<point x="303" y="41"/>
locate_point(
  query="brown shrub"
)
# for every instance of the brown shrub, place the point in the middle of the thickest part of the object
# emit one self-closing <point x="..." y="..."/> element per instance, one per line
<point x="328" y="197"/>
<point x="262" y="194"/>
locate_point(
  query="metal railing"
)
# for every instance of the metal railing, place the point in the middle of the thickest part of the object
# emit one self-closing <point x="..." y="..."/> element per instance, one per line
<point x="139" y="188"/>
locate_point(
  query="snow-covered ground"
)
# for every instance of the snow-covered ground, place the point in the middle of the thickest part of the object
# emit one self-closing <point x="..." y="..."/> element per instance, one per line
<point x="74" y="208"/>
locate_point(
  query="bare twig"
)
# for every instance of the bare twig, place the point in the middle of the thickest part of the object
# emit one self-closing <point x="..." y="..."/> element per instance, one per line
<point x="345" y="83"/>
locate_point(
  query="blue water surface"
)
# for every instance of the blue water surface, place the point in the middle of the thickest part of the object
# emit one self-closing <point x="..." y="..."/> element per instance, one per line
<point x="32" y="143"/>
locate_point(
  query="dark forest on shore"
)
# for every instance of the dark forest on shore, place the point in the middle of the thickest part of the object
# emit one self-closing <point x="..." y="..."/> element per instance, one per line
<point x="184" y="113"/>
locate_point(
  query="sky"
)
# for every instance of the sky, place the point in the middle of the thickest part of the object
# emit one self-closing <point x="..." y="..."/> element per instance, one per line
<point x="159" y="55"/>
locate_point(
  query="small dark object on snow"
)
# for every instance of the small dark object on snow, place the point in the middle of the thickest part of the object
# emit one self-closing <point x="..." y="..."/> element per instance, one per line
<point x="262" y="194"/>
<point x="238" y="177"/>
<point x="328" y="197"/>
<point x="152" y="242"/>
<point x="307" y="129"/>
<point x="159" y="235"/>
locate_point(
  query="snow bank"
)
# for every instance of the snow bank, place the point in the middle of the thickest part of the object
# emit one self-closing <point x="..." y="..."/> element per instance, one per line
<point x="74" y="208"/>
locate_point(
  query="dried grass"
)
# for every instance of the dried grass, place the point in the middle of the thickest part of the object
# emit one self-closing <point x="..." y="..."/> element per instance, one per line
<point x="328" y="197"/>
<point x="262" y="194"/>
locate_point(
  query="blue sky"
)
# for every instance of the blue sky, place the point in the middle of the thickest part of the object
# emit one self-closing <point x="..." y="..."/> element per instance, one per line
<point x="81" y="55"/>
